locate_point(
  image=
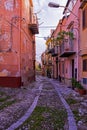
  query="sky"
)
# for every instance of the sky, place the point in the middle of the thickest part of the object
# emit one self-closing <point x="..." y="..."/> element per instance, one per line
<point x="48" y="19"/>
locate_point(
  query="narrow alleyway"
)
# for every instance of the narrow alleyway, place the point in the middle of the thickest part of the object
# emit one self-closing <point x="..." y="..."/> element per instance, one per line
<point x="44" y="105"/>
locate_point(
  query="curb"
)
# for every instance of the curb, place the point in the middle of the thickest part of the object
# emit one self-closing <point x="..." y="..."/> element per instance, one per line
<point x="71" y="120"/>
<point x="28" y="113"/>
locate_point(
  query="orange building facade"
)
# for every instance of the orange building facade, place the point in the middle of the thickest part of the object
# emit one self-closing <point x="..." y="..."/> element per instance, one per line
<point x="18" y="26"/>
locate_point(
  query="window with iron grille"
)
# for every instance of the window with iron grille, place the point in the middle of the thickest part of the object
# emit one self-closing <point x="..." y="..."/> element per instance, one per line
<point x="85" y="65"/>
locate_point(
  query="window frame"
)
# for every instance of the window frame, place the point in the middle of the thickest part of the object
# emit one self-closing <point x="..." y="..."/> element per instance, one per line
<point x="84" y="65"/>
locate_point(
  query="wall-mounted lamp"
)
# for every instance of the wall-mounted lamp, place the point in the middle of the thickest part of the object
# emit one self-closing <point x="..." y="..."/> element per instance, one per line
<point x="55" y="5"/>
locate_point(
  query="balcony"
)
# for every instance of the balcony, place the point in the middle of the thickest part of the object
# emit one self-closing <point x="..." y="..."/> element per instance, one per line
<point x="49" y="62"/>
<point x="55" y="51"/>
<point x="49" y="51"/>
<point x="44" y="62"/>
<point x="67" y="49"/>
<point x="33" y="25"/>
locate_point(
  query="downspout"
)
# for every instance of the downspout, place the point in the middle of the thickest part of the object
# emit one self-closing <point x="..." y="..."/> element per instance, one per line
<point x="20" y="41"/>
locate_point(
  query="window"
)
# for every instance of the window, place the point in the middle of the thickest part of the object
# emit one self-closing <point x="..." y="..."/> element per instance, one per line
<point x="84" y="18"/>
<point x="85" y="65"/>
<point x="84" y="80"/>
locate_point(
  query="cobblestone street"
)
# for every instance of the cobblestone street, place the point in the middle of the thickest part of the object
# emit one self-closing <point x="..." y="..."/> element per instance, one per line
<point x="43" y="105"/>
<point x="43" y="65"/>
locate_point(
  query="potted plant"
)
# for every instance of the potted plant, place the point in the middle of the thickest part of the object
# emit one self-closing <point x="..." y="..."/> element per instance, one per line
<point x="80" y="88"/>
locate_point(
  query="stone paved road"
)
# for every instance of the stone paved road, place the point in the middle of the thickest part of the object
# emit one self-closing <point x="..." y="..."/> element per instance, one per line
<point x="21" y="100"/>
<point x="51" y="115"/>
<point x="15" y="102"/>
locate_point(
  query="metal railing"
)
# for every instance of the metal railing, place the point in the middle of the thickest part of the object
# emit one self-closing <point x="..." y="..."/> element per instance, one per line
<point x="67" y="46"/>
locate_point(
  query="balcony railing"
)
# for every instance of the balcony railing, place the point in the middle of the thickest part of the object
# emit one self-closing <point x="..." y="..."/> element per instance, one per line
<point x="55" y="51"/>
<point x="50" y="62"/>
<point x="44" y="62"/>
<point x="67" y="49"/>
<point x="33" y="25"/>
<point x="49" y="50"/>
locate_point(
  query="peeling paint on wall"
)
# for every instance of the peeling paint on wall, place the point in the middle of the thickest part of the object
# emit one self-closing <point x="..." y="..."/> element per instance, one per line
<point x="10" y="4"/>
<point x="1" y="59"/>
<point x="4" y="37"/>
<point x="15" y="41"/>
<point x="17" y="74"/>
<point x="5" y="34"/>
<point x="4" y="40"/>
<point x="25" y="41"/>
<point x="4" y="72"/>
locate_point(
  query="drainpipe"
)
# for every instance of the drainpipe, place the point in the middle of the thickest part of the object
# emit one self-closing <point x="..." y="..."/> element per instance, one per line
<point x="20" y="41"/>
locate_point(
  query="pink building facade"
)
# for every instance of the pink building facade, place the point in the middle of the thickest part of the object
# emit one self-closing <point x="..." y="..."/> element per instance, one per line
<point x="69" y="49"/>
<point x="18" y="26"/>
<point x="69" y="56"/>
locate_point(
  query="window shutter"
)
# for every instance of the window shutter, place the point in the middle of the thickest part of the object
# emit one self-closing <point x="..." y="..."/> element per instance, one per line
<point x="86" y="17"/>
<point x="85" y="65"/>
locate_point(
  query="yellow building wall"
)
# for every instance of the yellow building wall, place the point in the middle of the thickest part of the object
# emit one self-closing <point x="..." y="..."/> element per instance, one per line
<point x="83" y="47"/>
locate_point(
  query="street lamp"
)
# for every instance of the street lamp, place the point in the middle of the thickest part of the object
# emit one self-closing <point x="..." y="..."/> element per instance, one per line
<point x="55" y="5"/>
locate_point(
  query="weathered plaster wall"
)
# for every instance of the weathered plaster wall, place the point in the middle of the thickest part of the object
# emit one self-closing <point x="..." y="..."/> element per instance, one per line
<point x="9" y="37"/>
<point x="16" y="40"/>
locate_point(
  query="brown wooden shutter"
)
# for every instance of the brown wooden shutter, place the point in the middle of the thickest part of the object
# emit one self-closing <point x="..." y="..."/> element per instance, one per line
<point x="86" y="17"/>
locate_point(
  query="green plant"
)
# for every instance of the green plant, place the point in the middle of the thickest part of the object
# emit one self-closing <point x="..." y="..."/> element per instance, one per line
<point x="77" y="116"/>
<point x="74" y="82"/>
<point x="79" y="86"/>
<point x="44" y="118"/>
<point x="6" y="104"/>
<point x="63" y="34"/>
<point x="71" y="101"/>
<point x="4" y="98"/>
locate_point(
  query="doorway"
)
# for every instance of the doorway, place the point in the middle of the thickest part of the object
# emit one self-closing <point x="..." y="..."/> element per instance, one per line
<point x="73" y="68"/>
